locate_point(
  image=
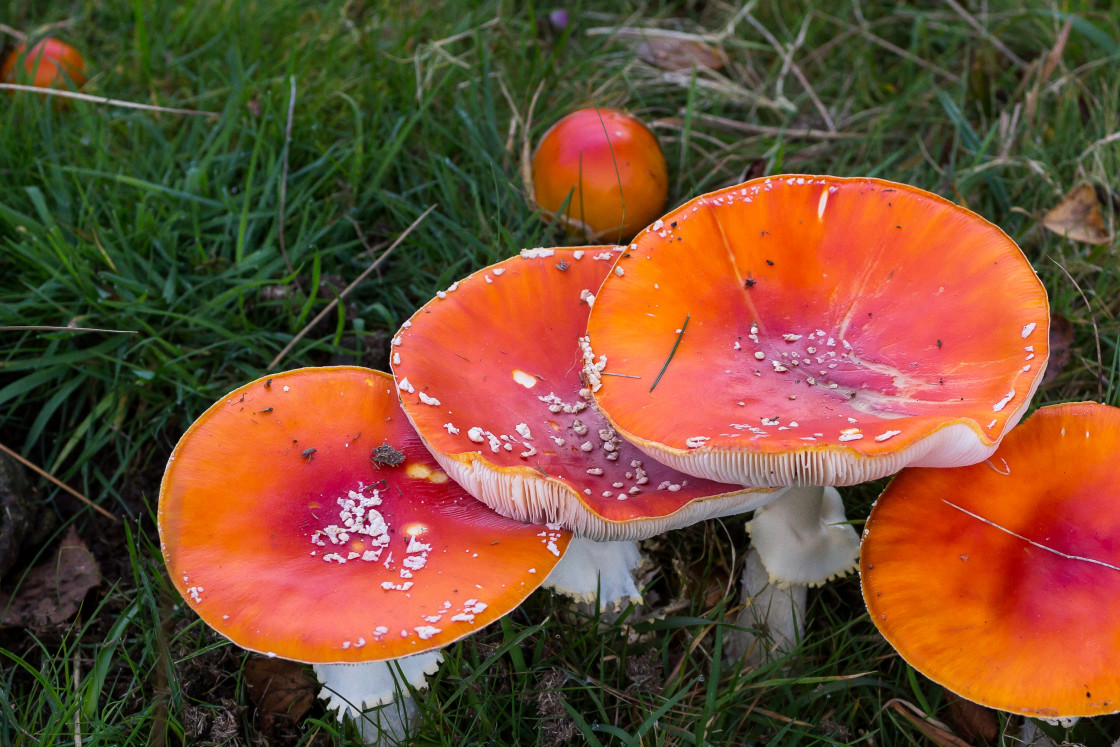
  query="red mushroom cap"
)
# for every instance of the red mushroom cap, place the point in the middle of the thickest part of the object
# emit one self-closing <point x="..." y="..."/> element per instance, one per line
<point x="49" y="64"/>
<point x="285" y="525"/>
<point x="837" y="331"/>
<point x="1001" y="580"/>
<point x="489" y="375"/>
<point x="611" y="166"/>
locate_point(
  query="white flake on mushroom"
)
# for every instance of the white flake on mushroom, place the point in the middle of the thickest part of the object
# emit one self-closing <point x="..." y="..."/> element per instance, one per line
<point x="1003" y="402"/>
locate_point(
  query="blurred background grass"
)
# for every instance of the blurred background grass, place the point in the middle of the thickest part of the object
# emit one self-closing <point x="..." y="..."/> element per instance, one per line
<point x="208" y="242"/>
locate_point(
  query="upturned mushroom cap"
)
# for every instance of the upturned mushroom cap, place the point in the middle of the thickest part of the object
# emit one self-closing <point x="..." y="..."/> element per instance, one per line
<point x="837" y="331"/>
<point x="489" y="374"/>
<point x="1001" y="581"/>
<point x="302" y="517"/>
<point x="609" y="169"/>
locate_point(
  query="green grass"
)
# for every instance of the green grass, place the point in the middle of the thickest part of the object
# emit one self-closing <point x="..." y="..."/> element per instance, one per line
<point x="169" y="229"/>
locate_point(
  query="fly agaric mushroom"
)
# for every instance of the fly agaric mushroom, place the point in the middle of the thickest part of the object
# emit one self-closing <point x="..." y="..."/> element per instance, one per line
<point x="994" y="580"/>
<point x="489" y="374"/>
<point x="812" y="331"/>
<point x="49" y="63"/>
<point x="285" y="528"/>
<point x="606" y="167"/>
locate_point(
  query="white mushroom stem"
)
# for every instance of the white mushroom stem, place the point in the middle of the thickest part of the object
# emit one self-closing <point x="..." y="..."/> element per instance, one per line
<point x="773" y="617"/>
<point x="800" y="540"/>
<point x="602" y="570"/>
<point x="354" y="688"/>
<point x="390" y="724"/>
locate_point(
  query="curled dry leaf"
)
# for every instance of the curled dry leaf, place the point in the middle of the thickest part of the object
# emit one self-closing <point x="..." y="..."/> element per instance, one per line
<point x="1061" y="340"/>
<point x="935" y="731"/>
<point x="1078" y="217"/>
<point x="972" y="721"/>
<point x="52" y="592"/>
<point x="282" y="690"/>
<point x="678" y="55"/>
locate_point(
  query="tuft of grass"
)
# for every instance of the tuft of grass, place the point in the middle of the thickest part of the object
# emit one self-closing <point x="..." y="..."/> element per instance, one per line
<point x="168" y="230"/>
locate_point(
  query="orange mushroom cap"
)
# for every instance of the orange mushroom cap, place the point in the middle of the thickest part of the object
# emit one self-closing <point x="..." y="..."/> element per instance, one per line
<point x="282" y="532"/>
<point x="837" y="331"/>
<point x="489" y="374"/>
<point x="49" y="64"/>
<point x="1001" y="580"/>
<point x="611" y="166"/>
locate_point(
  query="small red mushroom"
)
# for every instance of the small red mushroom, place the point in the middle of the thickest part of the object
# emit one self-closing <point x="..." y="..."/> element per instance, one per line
<point x="50" y="63"/>
<point x="609" y="170"/>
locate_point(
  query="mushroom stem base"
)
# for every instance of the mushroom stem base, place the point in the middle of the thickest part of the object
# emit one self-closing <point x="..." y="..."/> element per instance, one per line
<point x="389" y="724"/>
<point x="593" y="570"/>
<point x="773" y="617"/>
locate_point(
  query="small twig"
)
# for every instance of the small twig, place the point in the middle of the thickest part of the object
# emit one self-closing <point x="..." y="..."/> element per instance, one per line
<point x="104" y="100"/>
<point x="1112" y="138"/>
<point x="672" y="352"/>
<point x="736" y="125"/>
<point x="284" y="175"/>
<point x="77" y="711"/>
<point x="39" y="31"/>
<point x="37" y="328"/>
<point x="57" y="482"/>
<point x="971" y="20"/>
<point x="1096" y="332"/>
<point x="526" y="145"/>
<point x="789" y="65"/>
<point x="4" y="28"/>
<point x="625" y="376"/>
<point x="347" y="289"/>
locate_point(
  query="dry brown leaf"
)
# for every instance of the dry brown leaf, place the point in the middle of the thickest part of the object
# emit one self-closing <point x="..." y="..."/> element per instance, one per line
<point x="1061" y="342"/>
<point x="281" y="690"/>
<point x="972" y="721"/>
<point x="679" y="55"/>
<point x="51" y="593"/>
<point x="936" y="731"/>
<point x="1078" y="217"/>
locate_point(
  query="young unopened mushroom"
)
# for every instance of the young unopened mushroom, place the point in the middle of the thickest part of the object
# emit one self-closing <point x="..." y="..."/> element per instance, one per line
<point x="1000" y="580"/>
<point x="818" y="331"/>
<point x="301" y="517"/>
<point x="608" y="169"/>
<point x="493" y="375"/>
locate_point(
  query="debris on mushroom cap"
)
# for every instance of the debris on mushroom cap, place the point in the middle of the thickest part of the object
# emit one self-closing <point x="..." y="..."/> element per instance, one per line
<point x="606" y="167"/>
<point x="506" y="361"/>
<point x="334" y="558"/>
<point x="833" y="333"/>
<point x="983" y="577"/>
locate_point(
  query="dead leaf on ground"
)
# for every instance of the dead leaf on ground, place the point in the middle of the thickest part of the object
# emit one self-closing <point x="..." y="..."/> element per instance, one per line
<point x="679" y="55"/>
<point x="1078" y="217"/>
<point x="51" y="593"/>
<point x="1061" y="341"/>
<point x="936" y="731"/>
<point x="282" y="691"/>
<point x="972" y="721"/>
